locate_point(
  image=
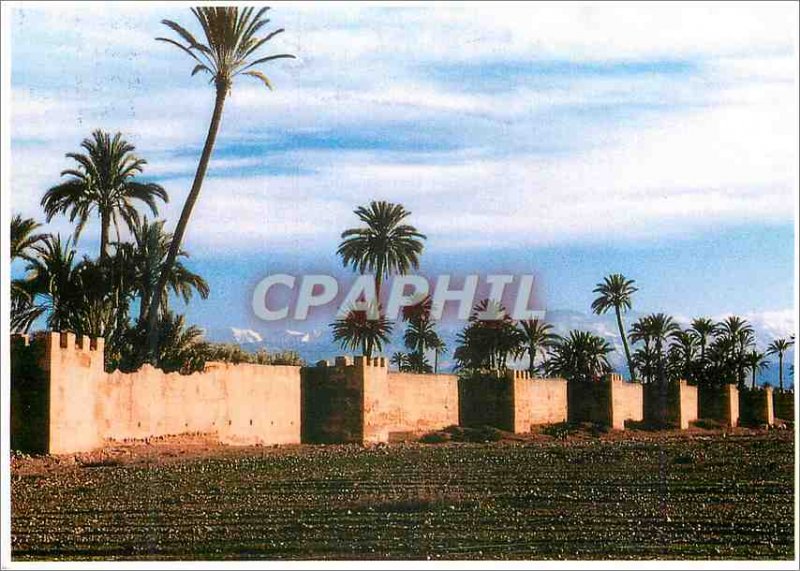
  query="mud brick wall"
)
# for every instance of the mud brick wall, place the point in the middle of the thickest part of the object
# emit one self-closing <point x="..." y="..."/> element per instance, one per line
<point x="589" y="402"/>
<point x="486" y="401"/>
<point x="85" y="406"/>
<point x="29" y="398"/>
<point x="627" y="402"/>
<point x="756" y="407"/>
<point x="332" y="409"/>
<point x="783" y="405"/>
<point x="610" y="401"/>
<point x="402" y="404"/>
<point x="720" y="404"/>
<point x="682" y="403"/>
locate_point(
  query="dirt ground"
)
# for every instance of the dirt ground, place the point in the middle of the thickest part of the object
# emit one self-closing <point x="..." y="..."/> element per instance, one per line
<point x="556" y="494"/>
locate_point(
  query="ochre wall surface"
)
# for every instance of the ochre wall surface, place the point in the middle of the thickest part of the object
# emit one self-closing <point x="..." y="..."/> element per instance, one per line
<point x="64" y="402"/>
<point x="241" y="404"/>
<point x="537" y="401"/>
<point x="514" y="402"/>
<point x="399" y="404"/>
<point x="627" y="402"/>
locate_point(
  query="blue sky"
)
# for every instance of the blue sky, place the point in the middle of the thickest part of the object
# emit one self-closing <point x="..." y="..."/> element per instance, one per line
<point x="570" y="140"/>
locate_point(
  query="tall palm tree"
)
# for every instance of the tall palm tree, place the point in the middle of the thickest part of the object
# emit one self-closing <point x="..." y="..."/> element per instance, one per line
<point x="356" y="331"/>
<point x="658" y="329"/>
<point x="229" y="49"/>
<point x="538" y="335"/>
<point x="616" y="291"/>
<point x="421" y="335"/>
<point x="103" y="183"/>
<point x="756" y="362"/>
<point x="385" y="246"/>
<point x="580" y="356"/>
<point x="779" y="347"/>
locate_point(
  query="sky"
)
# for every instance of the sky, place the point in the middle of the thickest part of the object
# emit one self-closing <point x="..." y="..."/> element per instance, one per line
<point x="567" y="140"/>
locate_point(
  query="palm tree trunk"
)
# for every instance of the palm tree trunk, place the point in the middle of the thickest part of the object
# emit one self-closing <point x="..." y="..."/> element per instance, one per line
<point x="532" y="353"/>
<point x="105" y="223"/>
<point x="753" y="381"/>
<point x="183" y="222"/>
<point x="780" y="369"/>
<point x="435" y="361"/>
<point x="625" y="343"/>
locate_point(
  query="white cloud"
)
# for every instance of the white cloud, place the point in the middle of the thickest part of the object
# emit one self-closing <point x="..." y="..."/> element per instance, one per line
<point x="715" y="146"/>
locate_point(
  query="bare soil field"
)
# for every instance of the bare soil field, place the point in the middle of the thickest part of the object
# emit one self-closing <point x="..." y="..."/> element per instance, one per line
<point x="701" y="494"/>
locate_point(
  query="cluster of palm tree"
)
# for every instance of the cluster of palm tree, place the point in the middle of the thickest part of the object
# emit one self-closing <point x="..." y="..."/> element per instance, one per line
<point x="706" y="353"/>
<point x="95" y="297"/>
<point x="490" y="344"/>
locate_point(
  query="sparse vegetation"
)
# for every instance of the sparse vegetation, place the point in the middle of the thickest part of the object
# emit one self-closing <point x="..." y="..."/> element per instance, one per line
<point x="644" y="495"/>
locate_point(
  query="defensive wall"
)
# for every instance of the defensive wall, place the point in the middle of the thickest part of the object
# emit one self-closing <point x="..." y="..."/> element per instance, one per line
<point x="610" y="401"/>
<point x="62" y="400"/>
<point x="681" y="403"/>
<point x="360" y="400"/>
<point x="514" y="401"/>
<point x="783" y="404"/>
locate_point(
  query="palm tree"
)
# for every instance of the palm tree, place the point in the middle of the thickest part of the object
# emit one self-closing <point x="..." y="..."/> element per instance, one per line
<point x="439" y="347"/>
<point x="53" y="280"/>
<point x="420" y="335"/>
<point x="147" y="255"/>
<point x="741" y="336"/>
<point x="229" y="49"/>
<point x="683" y="354"/>
<point x="104" y="182"/>
<point x="399" y="360"/>
<point x="356" y="331"/>
<point x="779" y="347"/>
<point x="581" y="356"/>
<point x="488" y="343"/>
<point x="538" y="335"/>
<point x="616" y="291"/>
<point x="24" y="242"/>
<point x="705" y="329"/>
<point x="23" y="238"/>
<point x="656" y="329"/>
<point x="385" y="245"/>
<point x="756" y="362"/>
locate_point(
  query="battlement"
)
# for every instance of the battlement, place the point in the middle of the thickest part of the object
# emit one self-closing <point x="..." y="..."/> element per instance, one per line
<point x="613" y="378"/>
<point x="513" y="374"/>
<point x="361" y="361"/>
